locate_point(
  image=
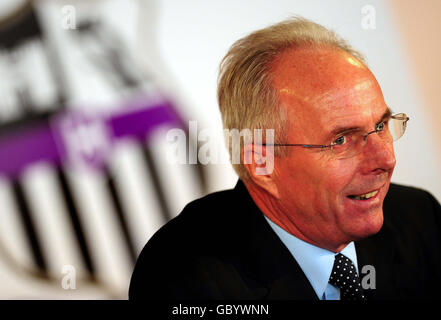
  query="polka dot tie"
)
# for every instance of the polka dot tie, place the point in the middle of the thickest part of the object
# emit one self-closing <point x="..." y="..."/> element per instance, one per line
<point x="344" y="276"/>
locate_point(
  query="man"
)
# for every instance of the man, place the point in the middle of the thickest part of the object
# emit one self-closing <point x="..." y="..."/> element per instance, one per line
<point x="326" y="215"/>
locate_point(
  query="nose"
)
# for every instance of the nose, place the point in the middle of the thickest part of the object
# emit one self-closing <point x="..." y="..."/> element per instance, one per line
<point x="378" y="155"/>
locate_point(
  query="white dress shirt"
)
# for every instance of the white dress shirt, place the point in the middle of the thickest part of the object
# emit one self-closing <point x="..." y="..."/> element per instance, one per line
<point x="316" y="263"/>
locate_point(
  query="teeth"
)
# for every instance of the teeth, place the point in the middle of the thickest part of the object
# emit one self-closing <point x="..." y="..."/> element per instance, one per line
<point x="366" y="196"/>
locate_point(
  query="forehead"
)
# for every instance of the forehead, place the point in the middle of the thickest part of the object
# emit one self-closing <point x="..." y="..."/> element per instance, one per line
<point x="322" y="88"/>
<point x="312" y="71"/>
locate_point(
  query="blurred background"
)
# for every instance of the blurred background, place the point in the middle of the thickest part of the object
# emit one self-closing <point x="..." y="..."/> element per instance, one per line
<point x="89" y="89"/>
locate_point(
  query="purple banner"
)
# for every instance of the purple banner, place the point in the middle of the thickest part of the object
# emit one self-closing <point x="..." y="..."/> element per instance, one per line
<point x="77" y="136"/>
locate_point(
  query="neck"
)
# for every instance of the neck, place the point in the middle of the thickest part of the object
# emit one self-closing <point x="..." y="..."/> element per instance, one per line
<point x="273" y="210"/>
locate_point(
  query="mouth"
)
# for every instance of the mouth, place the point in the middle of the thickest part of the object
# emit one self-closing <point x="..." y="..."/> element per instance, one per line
<point x="363" y="201"/>
<point x="364" y="196"/>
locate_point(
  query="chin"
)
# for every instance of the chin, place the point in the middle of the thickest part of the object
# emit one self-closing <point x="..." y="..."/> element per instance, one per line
<point x="368" y="227"/>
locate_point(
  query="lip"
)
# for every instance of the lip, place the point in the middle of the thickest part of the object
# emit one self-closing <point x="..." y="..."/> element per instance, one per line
<point x="367" y="191"/>
<point x="366" y="205"/>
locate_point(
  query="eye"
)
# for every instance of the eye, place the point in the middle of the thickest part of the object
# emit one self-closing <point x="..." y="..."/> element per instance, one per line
<point x="380" y="126"/>
<point x="339" y="141"/>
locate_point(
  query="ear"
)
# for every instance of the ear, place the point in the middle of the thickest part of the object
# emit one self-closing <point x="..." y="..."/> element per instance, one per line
<point x="259" y="162"/>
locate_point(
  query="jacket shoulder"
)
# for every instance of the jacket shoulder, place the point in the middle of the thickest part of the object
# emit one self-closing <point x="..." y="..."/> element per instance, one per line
<point x="412" y="209"/>
<point x="174" y="261"/>
<point x="401" y="196"/>
<point x="212" y="210"/>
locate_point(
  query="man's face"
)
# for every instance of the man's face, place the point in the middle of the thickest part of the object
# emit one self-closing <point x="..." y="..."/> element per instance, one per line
<point x="323" y="90"/>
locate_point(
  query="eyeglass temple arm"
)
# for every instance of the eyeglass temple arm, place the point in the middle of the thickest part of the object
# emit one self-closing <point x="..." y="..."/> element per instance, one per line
<point x="295" y="145"/>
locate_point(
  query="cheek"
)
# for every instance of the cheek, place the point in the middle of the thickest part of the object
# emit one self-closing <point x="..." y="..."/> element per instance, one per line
<point x="315" y="179"/>
<point x="299" y="172"/>
<point x="338" y="174"/>
<point x="296" y="179"/>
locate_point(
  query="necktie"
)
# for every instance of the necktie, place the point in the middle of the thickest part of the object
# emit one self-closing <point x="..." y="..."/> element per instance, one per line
<point x="344" y="276"/>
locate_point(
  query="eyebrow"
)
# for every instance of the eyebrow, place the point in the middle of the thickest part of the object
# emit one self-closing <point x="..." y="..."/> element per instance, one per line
<point x="387" y="114"/>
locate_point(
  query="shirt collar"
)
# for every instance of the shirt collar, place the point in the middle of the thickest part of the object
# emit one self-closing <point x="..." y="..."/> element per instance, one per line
<point x="315" y="262"/>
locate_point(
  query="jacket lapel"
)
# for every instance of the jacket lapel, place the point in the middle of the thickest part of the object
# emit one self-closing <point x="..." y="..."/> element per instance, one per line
<point x="276" y="269"/>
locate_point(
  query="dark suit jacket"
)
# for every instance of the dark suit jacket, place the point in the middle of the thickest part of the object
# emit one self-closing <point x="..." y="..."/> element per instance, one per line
<point x="221" y="247"/>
